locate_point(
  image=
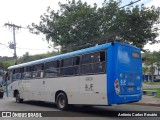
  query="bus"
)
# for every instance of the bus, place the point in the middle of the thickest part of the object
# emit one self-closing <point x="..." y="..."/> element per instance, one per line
<point x="105" y="74"/>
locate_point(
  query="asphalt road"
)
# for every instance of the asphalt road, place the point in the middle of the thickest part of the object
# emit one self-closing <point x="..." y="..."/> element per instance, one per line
<point x="79" y="112"/>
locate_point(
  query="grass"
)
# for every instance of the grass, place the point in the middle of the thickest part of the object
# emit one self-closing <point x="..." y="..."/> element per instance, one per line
<point x="152" y="83"/>
<point x="150" y="93"/>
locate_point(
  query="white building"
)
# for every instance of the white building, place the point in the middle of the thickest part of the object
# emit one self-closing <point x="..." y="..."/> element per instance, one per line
<point x="147" y="76"/>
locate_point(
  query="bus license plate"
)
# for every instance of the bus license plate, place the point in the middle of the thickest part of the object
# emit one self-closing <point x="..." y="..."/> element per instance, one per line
<point x="130" y="88"/>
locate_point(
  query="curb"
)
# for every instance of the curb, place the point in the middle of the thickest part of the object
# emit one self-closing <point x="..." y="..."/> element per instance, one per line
<point x="146" y="104"/>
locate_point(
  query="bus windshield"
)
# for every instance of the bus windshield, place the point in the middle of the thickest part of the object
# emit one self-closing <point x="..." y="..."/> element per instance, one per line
<point x="129" y="58"/>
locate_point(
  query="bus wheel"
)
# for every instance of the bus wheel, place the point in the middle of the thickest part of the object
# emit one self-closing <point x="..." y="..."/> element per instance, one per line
<point x="1" y="96"/>
<point x="18" y="99"/>
<point x="62" y="101"/>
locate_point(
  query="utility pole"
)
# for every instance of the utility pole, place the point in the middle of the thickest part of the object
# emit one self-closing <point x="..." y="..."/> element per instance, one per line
<point x="12" y="45"/>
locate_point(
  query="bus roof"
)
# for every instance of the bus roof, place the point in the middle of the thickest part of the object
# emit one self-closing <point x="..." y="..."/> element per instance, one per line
<point x="91" y="49"/>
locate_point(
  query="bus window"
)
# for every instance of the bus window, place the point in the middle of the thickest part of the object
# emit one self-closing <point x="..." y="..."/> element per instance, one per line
<point x="52" y="68"/>
<point x="27" y="69"/>
<point x="102" y="56"/>
<point x="38" y="67"/>
<point x="17" y="74"/>
<point x="76" y="60"/>
<point x="13" y="76"/>
<point x="49" y="65"/>
<point x="87" y="58"/>
<point x="70" y="66"/>
<point x="52" y="64"/>
<point x="95" y="57"/>
<point x="69" y="71"/>
<point x="123" y="56"/>
<point x="22" y="73"/>
<point x="27" y="72"/>
<point x="56" y="64"/>
<point x="38" y="71"/>
<point x="93" y="63"/>
<point x="66" y="62"/>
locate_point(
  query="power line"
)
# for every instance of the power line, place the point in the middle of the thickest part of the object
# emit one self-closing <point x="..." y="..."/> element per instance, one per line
<point x="3" y="44"/>
<point x="31" y="48"/>
<point x="6" y="47"/>
<point x="23" y="48"/>
<point x="18" y="27"/>
<point x="3" y="48"/>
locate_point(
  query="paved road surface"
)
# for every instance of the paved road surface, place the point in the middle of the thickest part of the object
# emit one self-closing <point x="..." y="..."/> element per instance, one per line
<point x="9" y="104"/>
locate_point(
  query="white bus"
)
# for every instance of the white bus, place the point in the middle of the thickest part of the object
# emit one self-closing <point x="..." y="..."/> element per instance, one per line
<point x="102" y="75"/>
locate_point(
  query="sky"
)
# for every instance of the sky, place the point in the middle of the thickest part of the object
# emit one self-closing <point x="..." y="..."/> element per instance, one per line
<point x="25" y="12"/>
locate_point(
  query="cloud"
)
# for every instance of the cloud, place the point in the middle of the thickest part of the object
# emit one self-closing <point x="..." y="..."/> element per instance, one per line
<point x="156" y="3"/>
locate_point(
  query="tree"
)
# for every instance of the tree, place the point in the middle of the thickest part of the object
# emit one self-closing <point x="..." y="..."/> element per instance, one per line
<point x="158" y="66"/>
<point x="157" y="63"/>
<point x="144" y="70"/>
<point x="76" y="25"/>
<point x="27" y="58"/>
<point x="150" y="60"/>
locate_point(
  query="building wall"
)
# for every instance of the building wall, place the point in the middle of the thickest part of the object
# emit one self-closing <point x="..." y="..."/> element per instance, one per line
<point x="148" y="77"/>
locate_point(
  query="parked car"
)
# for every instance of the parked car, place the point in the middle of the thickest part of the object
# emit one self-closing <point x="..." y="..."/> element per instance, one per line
<point x="156" y="80"/>
<point x="1" y="92"/>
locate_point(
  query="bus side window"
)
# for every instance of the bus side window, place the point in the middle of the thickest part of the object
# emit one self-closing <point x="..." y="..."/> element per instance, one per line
<point x="76" y="60"/>
<point x="38" y="71"/>
<point x="13" y="75"/>
<point x="52" y="68"/>
<point x="102" y="56"/>
<point x="66" y="62"/>
<point x="66" y="65"/>
<point x="76" y="63"/>
<point x="70" y="66"/>
<point x="27" y="72"/>
<point x="95" y="63"/>
<point x="22" y="73"/>
<point x="18" y="73"/>
<point x="86" y="58"/>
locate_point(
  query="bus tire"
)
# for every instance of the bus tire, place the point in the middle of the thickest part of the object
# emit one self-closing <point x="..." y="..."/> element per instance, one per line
<point x="1" y="96"/>
<point x="62" y="101"/>
<point x="18" y="99"/>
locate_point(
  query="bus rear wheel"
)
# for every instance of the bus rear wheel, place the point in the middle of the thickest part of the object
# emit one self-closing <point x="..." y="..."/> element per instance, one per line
<point x="62" y="101"/>
<point x="18" y="99"/>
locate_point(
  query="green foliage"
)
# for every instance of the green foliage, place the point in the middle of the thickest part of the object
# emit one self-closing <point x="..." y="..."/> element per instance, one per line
<point x="76" y="24"/>
<point x="5" y="62"/>
<point x="144" y="69"/>
<point x="10" y="61"/>
<point x="4" y="58"/>
<point x="27" y="58"/>
<point x="152" y="83"/>
<point x="152" y="59"/>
